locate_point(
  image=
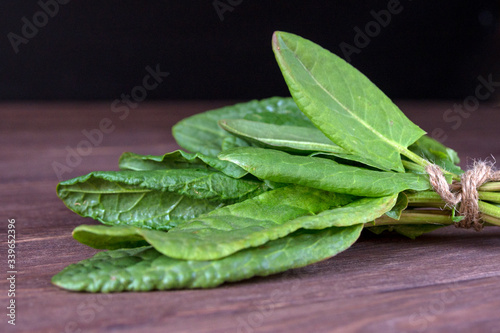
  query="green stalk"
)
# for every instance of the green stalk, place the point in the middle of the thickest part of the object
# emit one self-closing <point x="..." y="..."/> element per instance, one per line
<point x="413" y="166"/>
<point x="490" y="186"/>
<point x="424" y="163"/>
<point x="415" y="158"/>
<point x="432" y="199"/>
<point x="490" y="210"/>
<point x="415" y="217"/>
<point x="436" y="217"/>
<point x="491" y="220"/>
<point x="425" y="199"/>
<point x="490" y="196"/>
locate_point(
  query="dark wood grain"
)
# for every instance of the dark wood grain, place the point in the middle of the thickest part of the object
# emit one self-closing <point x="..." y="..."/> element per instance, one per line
<point x="446" y="281"/>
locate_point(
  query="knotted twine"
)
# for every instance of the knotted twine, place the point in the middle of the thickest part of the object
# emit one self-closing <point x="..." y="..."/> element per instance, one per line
<point x="464" y="192"/>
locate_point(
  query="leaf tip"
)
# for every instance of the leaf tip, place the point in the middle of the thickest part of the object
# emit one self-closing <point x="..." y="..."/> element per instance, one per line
<point x="277" y="40"/>
<point x="275" y="43"/>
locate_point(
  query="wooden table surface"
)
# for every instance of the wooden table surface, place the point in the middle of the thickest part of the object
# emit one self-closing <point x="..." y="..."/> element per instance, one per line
<point x="446" y="281"/>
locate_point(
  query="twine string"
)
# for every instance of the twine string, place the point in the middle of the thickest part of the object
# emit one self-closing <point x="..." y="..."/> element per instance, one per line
<point x="464" y="192"/>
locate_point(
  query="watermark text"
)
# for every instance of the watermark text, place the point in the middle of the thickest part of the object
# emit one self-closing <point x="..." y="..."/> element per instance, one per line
<point x="11" y="271"/>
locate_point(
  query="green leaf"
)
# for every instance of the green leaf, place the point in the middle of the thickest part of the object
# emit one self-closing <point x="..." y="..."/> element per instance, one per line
<point x="321" y="173"/>
<point x="296" y="139"/>
<point x="226" y="230"/>
<point x="110" y="238"/>
<point x="336" y="97"/>
<point x="158" y="199"/>
<point x="201" y="133"/>
<point x="144" y="269"/>
<point x="178" y="160"/>
<point x="437" y="153"/>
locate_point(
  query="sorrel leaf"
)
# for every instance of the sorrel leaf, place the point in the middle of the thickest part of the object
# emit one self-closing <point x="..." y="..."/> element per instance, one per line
<point x="345" y="105"/>
<point x="144" y="268"/>
<point x="322" y="173"/>
<point x="158" y="199"/>
<point x="201" y="133"/>
<point x="297" y="139"/>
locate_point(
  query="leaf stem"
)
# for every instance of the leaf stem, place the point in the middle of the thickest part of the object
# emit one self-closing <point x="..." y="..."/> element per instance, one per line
<point x="415" y="158"/>
<point x="433" y="217"/>
<point x="489" y="209"/>
<point x="415" y="217"/>
<point x="489" y="196"/>
<point x="412" y="166"/>
<point x="432" y="199"/>
<point x="425" y="199"/>
<point x="490" y="212"/>
<point x="424" y="163"/>
<point x="490" y="186"/>
<point x="491" y="219"/>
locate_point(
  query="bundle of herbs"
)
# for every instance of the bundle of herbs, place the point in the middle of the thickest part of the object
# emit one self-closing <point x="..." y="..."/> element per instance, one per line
<point x="271" y="185"/>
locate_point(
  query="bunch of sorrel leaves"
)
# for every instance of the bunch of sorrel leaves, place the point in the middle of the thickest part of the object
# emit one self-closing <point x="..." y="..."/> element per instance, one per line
<point x="270" y="185"/>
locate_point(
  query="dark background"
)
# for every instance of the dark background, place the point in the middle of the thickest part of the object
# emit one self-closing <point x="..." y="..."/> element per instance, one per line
<point x="97" y="50"/>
